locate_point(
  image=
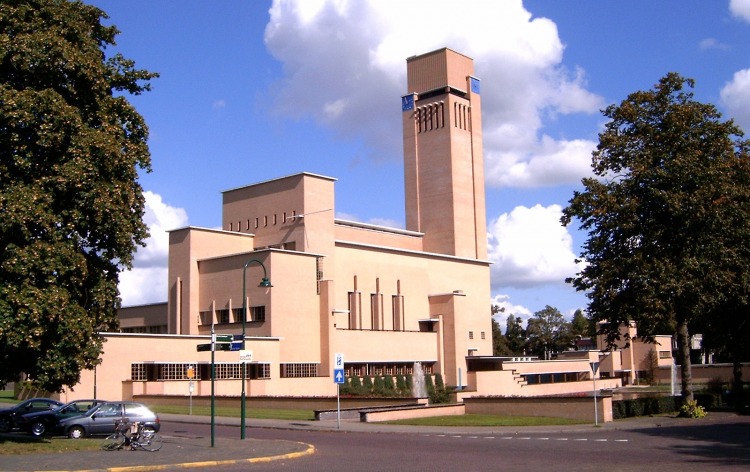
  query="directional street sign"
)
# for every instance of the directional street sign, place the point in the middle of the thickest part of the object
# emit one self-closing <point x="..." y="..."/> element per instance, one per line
<point x="204" y="347"/>
<point x="338" y="376"/>
<point x="338" y="361"/>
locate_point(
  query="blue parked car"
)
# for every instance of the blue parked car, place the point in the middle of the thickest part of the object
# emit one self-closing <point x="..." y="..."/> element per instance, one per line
<point x="42" y="422"/>
<point x="9" y="416"/>
<point x="100" y="420"/>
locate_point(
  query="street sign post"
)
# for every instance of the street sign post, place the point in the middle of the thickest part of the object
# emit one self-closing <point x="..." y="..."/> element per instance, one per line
<point x="339" y="378"/>
<point x="594" y="368"/>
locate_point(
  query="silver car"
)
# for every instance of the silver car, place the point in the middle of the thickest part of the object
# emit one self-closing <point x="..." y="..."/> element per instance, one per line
<point x="100" y="420"/>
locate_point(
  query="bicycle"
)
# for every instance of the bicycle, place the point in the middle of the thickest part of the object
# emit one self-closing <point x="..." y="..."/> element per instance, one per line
<point x="140" y="437"/>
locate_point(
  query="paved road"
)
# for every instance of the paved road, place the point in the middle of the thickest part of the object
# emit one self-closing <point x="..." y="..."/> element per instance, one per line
<point x="667" y="445"/>
<point x="718" y="442"/>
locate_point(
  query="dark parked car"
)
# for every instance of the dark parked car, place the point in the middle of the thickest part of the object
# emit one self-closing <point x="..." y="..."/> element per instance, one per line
<point x="43" y="422"/>
<point x="100" y="420"/>
<point x="10" y="416"/>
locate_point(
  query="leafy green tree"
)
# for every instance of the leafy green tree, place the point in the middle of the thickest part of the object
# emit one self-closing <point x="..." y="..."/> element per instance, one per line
<point x="71" y="207"/>
<point x="367" y="385"/>
<point x="547" y="332"/>
<point x="355" y="386"/>
<point x="499" y="342"/>
<point x="670" y="175"/>
<point x="581" y="326"/>
<point x="515" y="335"/>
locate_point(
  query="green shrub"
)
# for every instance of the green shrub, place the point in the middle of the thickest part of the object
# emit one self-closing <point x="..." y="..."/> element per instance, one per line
<point x="439" y="393"/>
<point x="389" y="386"/>
<point x="345" y="388"/>
<point x="355" y="386"/>
<point x="379" y="386"/>
<point x="644" y="406"/>
<point x="367" y="386"/>
<point x="691" y="409"/>
<point x="401" y="386"/>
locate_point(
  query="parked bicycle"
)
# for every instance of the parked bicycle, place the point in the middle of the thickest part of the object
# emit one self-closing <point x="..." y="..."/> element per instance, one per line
<point x="133" y="435"/>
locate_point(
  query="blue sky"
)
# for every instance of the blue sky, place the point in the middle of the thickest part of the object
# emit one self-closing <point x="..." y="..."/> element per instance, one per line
<point x="251" y="91"/>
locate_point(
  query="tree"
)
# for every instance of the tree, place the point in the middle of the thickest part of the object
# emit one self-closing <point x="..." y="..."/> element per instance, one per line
<point x="71" y="207"/>
<point x="547" y="332"/>
<point x="581" y="326"/>
<point x="666" y="171"/>
<point x="515" y="335"/>
<point x="499" y="342"/>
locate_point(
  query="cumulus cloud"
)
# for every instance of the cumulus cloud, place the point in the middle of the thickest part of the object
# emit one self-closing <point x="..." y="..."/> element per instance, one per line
<point x="735" y="96"/>
<point x="519" y="311"/>
<point x="740" y="9"/>
<point x="712" y="43"/>
<point x="529" y="247"/>
<point x="354" y="66"/>
<point x="147" y="281"/>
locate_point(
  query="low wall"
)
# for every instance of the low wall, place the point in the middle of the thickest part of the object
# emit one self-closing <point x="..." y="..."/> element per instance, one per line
<point x="577" y="408"/>
<point x="296" y="403"/>
<point x="703" y="373"/>
<point x="374" y="416"/>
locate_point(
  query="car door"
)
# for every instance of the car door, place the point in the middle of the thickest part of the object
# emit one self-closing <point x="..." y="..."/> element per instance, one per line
<point x="103" y="420"/>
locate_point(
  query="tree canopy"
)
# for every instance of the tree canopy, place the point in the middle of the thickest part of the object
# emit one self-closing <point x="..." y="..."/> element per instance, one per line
<point x="669" y="174"/>
<point x="71" y="207"/>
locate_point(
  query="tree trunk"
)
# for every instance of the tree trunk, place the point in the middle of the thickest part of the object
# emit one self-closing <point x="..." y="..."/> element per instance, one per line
<point x="738" y="391"/>
<point x="683" y="357"/>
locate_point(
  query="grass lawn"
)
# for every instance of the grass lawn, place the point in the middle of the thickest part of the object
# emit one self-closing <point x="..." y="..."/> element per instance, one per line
<point x="487" y="420"/>
<point x="234" y="412"/>
<point x="19" y="443"/>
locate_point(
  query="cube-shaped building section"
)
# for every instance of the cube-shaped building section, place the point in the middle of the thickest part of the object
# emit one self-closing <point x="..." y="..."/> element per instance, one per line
<point x="369" y="292"/>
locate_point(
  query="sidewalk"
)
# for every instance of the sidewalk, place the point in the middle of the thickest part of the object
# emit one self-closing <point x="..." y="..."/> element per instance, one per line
<point x="196" y="452"/>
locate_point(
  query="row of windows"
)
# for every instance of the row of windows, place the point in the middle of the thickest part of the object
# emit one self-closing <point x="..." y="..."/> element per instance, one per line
<point x="158" y="329"/>
<point x="265" y="221"/>
<point x="257" y="313"/>
<point x="152" y="372"/>
<point x="559" y="377"/>
<point x="398" y="368"/>
<point x="299" y="369"/>
<point x="471" y="335"/>
<point x="430" y="117"/>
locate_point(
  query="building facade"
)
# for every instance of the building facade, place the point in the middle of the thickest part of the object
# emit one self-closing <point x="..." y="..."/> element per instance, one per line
<point x="303" y="286"/>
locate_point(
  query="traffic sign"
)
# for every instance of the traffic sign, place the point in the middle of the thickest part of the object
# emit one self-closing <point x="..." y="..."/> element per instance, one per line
<point x="224" y="338"/>
<point x="204" y="347"/>
<point x="338" y="376"/>
<point x="338" y="361"/>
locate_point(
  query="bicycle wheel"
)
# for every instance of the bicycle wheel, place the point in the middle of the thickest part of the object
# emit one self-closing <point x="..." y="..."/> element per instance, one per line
<point x="113" y="442"/>
<point x="151" y="442"/>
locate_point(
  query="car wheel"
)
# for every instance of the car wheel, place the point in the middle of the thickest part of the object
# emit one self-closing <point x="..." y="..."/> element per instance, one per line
<point x="4" y="424"/>
<point x="76" y="432"/>
<point x="38" y="428"/>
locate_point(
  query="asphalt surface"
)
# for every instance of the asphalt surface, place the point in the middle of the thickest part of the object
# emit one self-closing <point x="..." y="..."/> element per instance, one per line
<point x="195" y="452"/>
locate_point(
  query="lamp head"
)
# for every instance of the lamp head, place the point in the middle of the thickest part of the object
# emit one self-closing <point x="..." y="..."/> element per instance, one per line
<point x="265" y="283"/>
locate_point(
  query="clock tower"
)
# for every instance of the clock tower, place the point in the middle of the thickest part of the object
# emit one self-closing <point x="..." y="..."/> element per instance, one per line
<point x="443" y="161"/>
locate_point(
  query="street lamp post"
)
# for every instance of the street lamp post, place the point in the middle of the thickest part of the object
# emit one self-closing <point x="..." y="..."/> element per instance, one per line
<point x="263" y="283"/>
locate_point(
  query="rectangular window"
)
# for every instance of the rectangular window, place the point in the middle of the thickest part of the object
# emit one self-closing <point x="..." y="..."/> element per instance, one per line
<point x="665" y="355"/>
<point x="258" y="313"/>
<point x="237" y="312"/>
<point x="299" y="370"/>
<point x="138" y="372"/>
<point x="471" y="334"/>
<point x="483" y="337"/>
<point x="222" y="316"/>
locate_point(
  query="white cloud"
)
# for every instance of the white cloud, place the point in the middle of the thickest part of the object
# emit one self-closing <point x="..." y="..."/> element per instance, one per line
<point x="735" y="96"/>
<point x="519" y="311"/>
<point x="740" y="8"/>
<point x="357" y="70"/>
<point x="529" y="247"/>
<point x="147" y="281"/>
<point x="712" y="43"/>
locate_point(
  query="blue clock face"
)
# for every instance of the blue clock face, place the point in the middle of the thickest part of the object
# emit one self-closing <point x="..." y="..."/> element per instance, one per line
<point x="474" y="85"/>
<point x="407" y="102"/>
